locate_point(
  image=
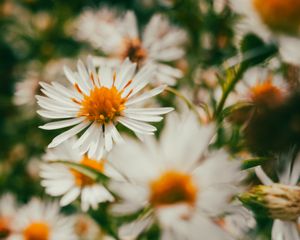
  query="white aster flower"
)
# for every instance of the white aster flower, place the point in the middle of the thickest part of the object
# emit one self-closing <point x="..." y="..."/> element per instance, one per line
<point x="259" y="86"/>
<point x="282" y="196"/>
<point x="177" y="180"/>
<point x="262" y="18"/>
<point x="60" y="180"/>
<point x="39" y="220"/>
<point x="160" y="43"/>
<point x="8" y="209"/>
<point x="97" y="102"/>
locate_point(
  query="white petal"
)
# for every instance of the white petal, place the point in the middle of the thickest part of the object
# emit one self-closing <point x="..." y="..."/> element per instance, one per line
<point x="146" y="95"/>
<point x="70" y="133"/>
<point x="62" y="124"/>
<point x="70" y="196"/>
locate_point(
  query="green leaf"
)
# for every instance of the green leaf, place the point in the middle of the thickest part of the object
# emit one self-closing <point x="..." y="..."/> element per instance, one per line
<point x="255" y="50"/>
<point x="85" y="170"/>
<point x="235" y="107"/>
<point x="253" y="162"/>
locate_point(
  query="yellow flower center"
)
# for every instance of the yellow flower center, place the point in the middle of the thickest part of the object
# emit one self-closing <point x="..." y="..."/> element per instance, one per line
<point x="134" y="50"/>
<point x="4" y="228"/>
<point x="279" y="15"/>
<point x="266" y="94"/>
<point x="102" y="105"/>
<point x="173" y="187"/>
<point x="83" y="180"/>
<point x="37" y="231"/>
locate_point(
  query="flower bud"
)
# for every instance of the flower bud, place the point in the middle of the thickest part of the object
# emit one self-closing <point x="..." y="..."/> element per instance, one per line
<point x="277" y="201"/>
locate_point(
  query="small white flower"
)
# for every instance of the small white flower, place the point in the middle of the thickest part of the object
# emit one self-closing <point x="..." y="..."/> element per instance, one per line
<point x="262" y="18"/>
<point x="60" y="180"/>
<point x="97" y="102"/>
<point x="177" y="180"/>
<point x="39" y="220"/>
<point x="119" y="38"/>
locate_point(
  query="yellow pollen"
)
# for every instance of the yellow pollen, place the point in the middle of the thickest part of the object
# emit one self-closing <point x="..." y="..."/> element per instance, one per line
<point x="279" y="15"/>
<point x="134" y="50"/>
<point x="173" y="187"/>
<point x="4" y="228"/>
<point x="266" y="94"/>
<point x="83" y="180"/>
<point x="37" y="231"/>
<point x="102" y="104"/>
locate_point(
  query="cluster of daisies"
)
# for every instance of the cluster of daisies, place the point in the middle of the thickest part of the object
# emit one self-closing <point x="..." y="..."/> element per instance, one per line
<point x="39" y="220"/>
<point x="108" y="149"/>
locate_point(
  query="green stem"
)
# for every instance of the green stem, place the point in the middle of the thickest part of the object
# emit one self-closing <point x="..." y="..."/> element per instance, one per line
<point x="187" y="102"/>
<point x="228" y="90"/>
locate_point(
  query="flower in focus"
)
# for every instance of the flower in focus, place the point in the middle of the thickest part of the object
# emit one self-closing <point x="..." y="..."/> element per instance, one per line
<point x="159" y="44"/>
<point x="280" y="200"/>
<point x="97" y="103"/>
<point x="262" y="18"/>
<point x="177" y="180"/>
<point x="60" y="180"/>
<point x="8" y="210"/>
<point x="42" y="221"/>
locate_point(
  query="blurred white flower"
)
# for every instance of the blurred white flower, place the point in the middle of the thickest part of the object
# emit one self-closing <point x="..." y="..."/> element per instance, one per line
<point x="26" y="89"/>
<point x="177" y="180"/>
<point x="39" y="220"/>
<point x="97" y="102"/>
<point x="8" y="209"/>
<point x="260" y="86"/>
<point x="238" y="221"/>
<point x="262" y="18"/>
<point x="119" y="38"/>
<point x="60" y="180"/>
<point x="86" y="228"/>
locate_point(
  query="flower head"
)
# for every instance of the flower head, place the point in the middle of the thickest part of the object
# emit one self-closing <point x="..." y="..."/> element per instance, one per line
<point x="60" y="180"/>
<point x="42" y="221"/>
<point x="177" y="179"/>
<point x="159" y="44"/>
<point x="97" y="103"/>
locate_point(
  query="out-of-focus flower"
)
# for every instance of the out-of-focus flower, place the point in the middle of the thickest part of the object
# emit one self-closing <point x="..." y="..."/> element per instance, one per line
<point x="8" y="208"/>
<point x="238" y="221"/>
<point x="278" y="200"/>
<point x="39" y="220"/>
<point x="262" y="18"/>
<point x="160" y="43"/>
<point x="263" y="88"/>
<point x="97" y="102"/>
<point x="86" y="228"/>
<point x="175" y="179"/>
<point x="260" y="86"/>
<point x="26" y="89"/>
<point x="60" y="180"/>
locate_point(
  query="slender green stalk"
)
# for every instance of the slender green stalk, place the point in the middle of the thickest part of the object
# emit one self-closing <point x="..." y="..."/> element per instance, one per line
<point x="187" y="102"/>
<point x="228" y="90"/>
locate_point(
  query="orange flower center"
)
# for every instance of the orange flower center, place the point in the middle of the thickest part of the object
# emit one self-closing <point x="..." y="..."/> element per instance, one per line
<point x="102" y="105"/>
<point x="134" y="50"/>
<point x="266" y="94"/>
<point x="37" y="231"/>
<point x="83" y="180"/>
<point x="4" y="228"/>
<point x="173" y="187"/>
<point x="280" y="15"/>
